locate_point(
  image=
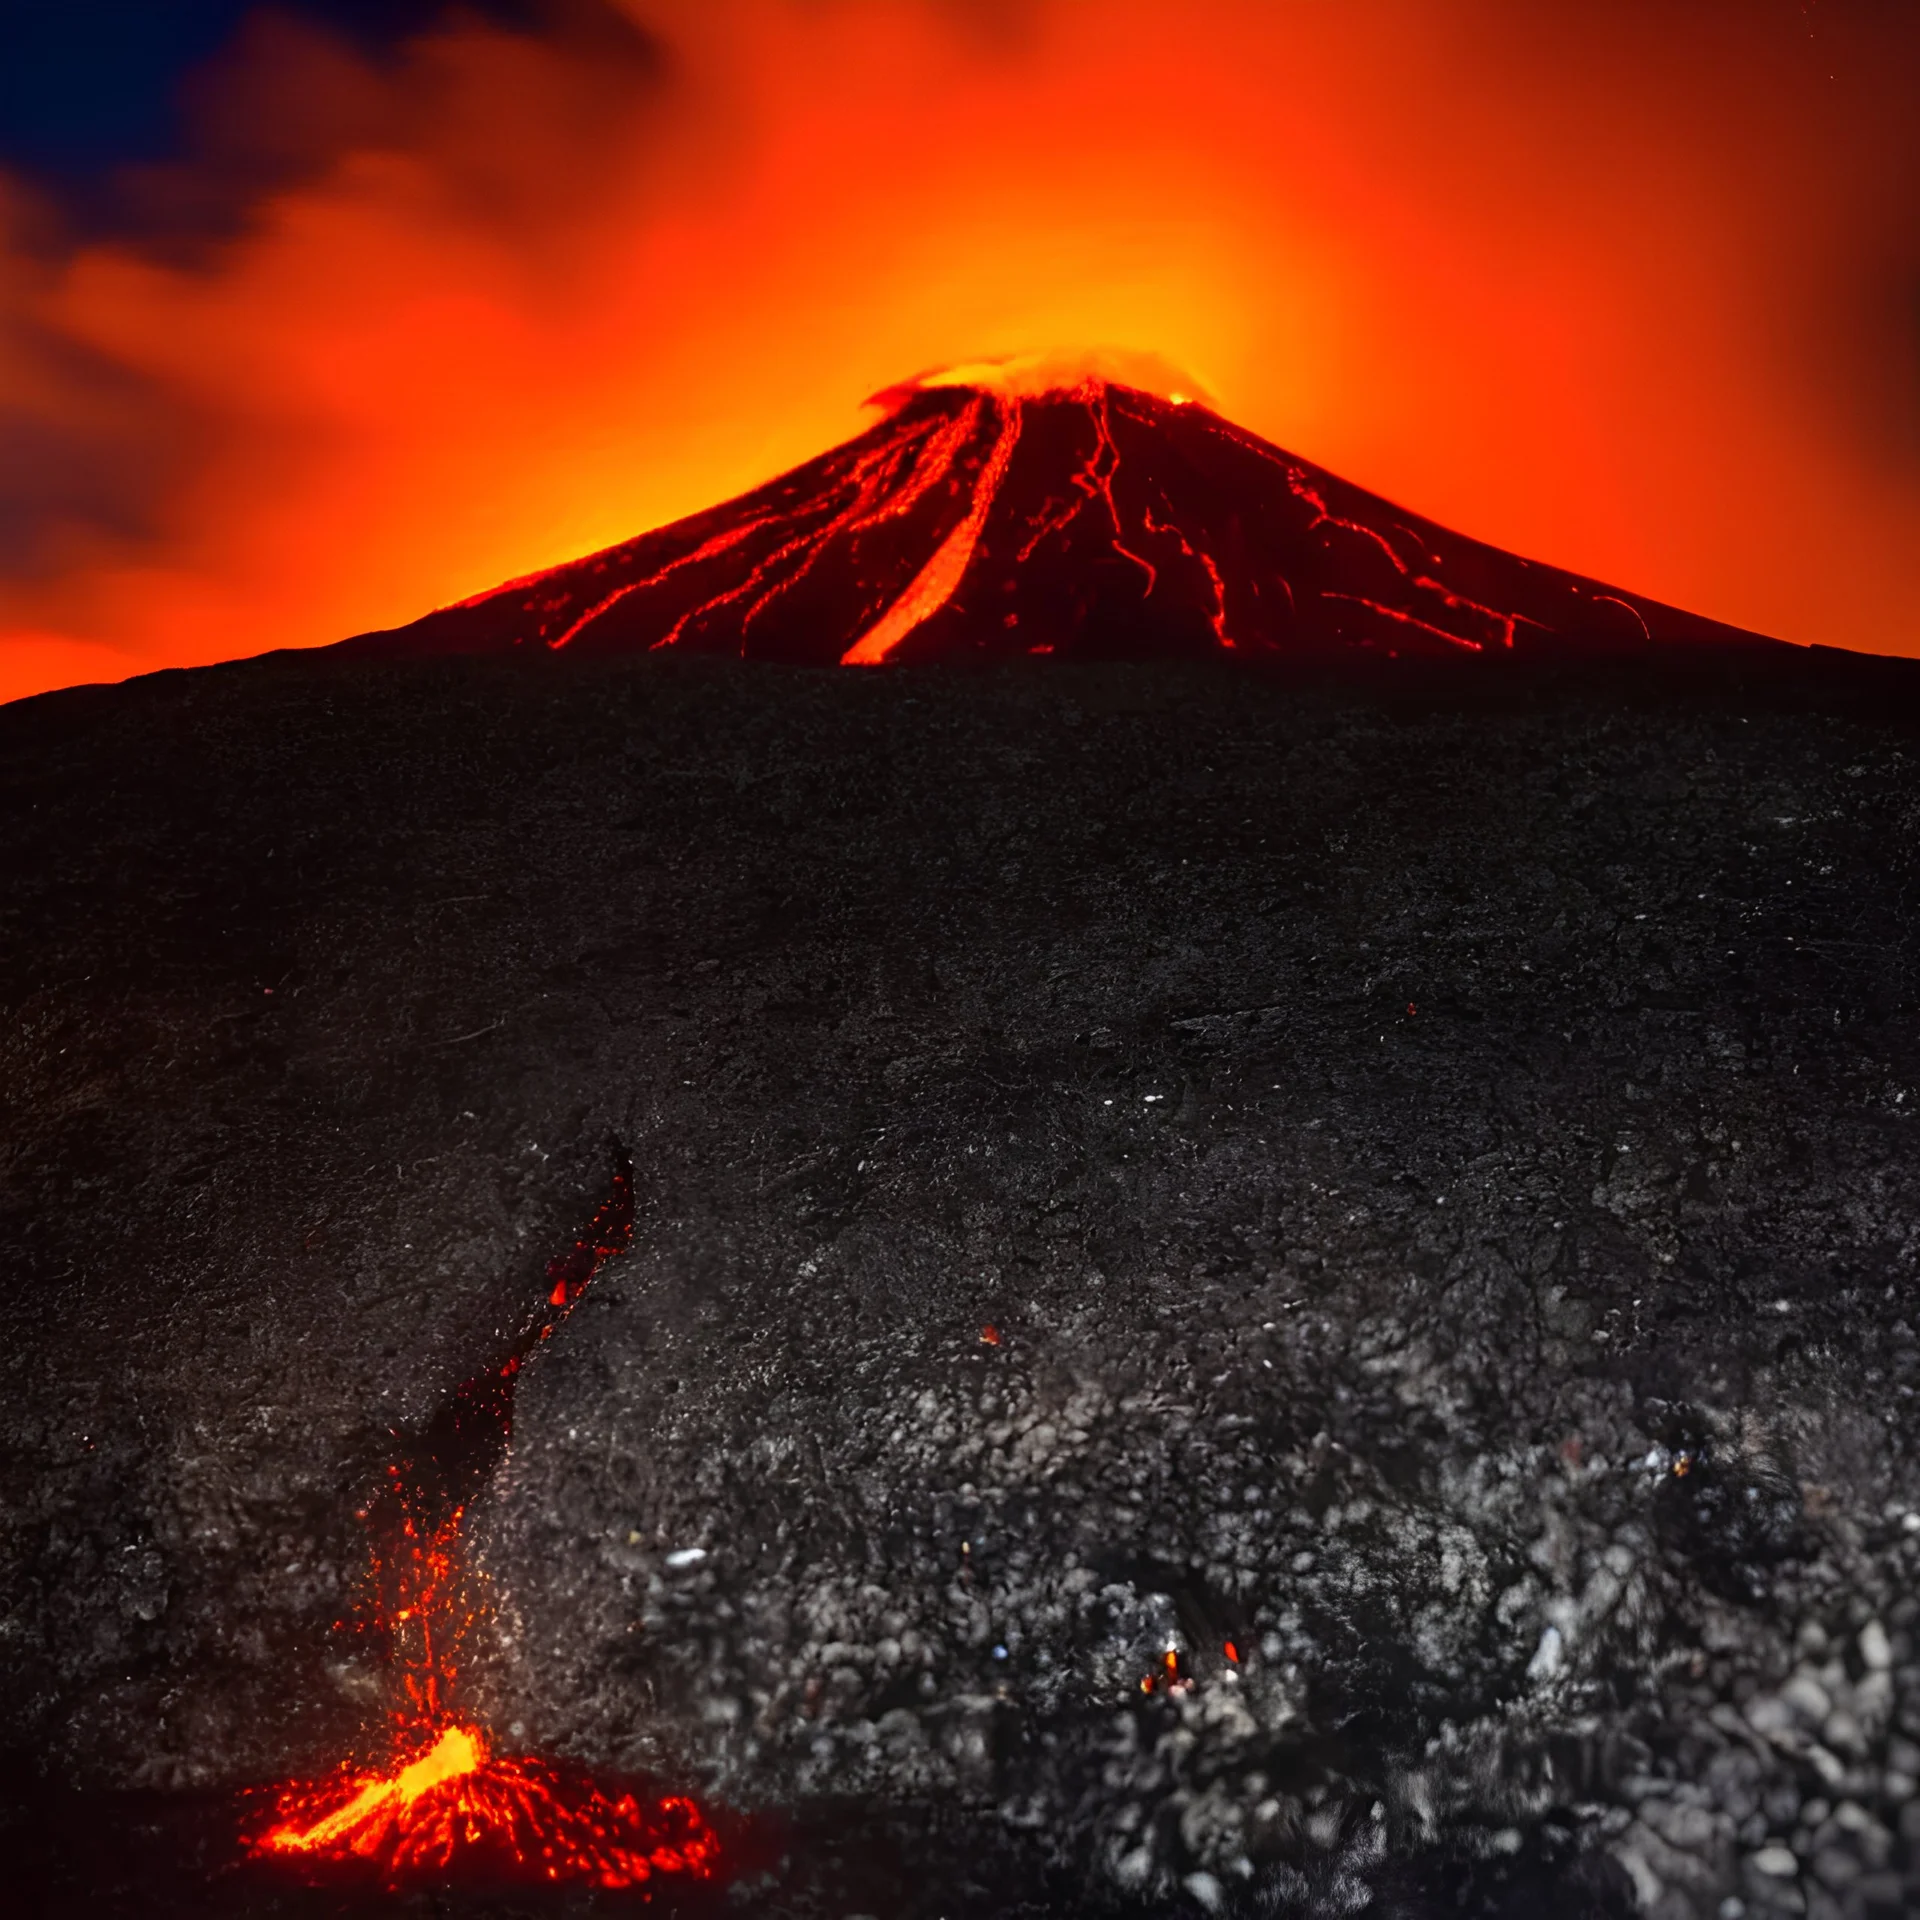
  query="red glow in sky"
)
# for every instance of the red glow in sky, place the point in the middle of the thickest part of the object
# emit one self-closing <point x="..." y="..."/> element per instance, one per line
<point x="1628" y="289"/>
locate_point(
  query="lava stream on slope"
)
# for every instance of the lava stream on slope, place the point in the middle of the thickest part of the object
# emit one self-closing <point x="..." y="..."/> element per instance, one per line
<point x="987" y="519"/>
<point x="448" y="1806"/>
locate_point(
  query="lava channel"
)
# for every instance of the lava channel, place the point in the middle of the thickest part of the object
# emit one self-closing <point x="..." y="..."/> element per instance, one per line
<point x="447" y="1805"/>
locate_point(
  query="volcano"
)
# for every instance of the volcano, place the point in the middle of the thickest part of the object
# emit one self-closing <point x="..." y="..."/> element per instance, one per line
<point x="986" y="518"/>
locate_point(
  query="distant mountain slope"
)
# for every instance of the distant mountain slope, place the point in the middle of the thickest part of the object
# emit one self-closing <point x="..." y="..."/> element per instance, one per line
<point x="1090" y="521"/>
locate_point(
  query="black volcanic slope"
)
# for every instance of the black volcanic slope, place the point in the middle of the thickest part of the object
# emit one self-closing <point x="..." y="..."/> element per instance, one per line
<point x="1438" y="1163"/>
<point x="1092" y="522"/>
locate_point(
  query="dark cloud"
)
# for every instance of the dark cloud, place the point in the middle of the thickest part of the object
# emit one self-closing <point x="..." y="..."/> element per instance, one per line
<point x="164" y="120"/>
<point x="90" y="458"/>
<point x="92" y="84"/>
<point x="93" y="453"/>
<point x="86" y="84"/>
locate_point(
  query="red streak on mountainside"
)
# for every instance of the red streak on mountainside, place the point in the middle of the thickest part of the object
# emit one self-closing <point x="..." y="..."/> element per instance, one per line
<point x="446" y="1803"/>
<point x="1092" y="480"/>
<point x="934" y="585"/>
<point x="992" y="515"/>
<point x="1217" y="615"/>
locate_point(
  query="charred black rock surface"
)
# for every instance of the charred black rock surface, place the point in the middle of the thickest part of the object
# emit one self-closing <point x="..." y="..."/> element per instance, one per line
<point x="1400" y="1195"/>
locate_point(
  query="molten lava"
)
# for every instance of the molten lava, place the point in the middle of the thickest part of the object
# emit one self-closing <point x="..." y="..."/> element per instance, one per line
<point x="1033" y="511"/>
<point x="502" y="1817"/>
<point x="448" y="1805"/>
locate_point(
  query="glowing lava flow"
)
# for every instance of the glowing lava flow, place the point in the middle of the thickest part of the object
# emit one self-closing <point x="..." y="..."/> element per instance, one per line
<point x="449" y="1806"/>
<point x="499" y="1817"/>
<point x="934" y="585"/>
<point x="997" y="512"/>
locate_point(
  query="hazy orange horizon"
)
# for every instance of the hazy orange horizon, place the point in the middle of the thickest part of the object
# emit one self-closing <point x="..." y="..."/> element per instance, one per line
<point x="1630" y="297"/>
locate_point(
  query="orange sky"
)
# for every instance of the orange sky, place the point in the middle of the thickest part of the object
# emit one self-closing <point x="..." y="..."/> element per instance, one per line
<point x="1639" y="299"/>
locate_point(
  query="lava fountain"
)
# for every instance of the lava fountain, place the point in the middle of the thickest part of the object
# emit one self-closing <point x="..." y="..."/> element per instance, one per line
<point x="447" y="1805"/>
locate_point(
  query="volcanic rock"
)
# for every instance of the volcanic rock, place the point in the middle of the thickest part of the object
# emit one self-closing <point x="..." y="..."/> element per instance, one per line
<point x="1392" y="1191"/>
<point x="1083" y="520"/>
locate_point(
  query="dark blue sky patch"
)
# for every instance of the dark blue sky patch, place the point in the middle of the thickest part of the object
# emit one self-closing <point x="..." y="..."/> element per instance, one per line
<point x="89" y="85"/>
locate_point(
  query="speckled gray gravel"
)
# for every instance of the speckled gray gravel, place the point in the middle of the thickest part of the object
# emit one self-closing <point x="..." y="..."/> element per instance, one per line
<point x="1437" y="1172"/>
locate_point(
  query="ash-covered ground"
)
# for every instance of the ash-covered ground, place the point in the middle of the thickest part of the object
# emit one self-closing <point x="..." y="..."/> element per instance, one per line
<point x="1433" y="1157"/>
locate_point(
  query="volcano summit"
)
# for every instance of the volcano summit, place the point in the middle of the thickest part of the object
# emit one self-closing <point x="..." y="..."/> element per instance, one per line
<point x="989" y="518"/>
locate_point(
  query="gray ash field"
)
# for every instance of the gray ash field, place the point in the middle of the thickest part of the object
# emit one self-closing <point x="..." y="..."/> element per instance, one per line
<point x="1434" y="1155"/>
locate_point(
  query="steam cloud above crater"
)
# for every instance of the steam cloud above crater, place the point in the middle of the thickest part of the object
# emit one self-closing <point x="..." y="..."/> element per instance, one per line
<point x="1639" y="295"/>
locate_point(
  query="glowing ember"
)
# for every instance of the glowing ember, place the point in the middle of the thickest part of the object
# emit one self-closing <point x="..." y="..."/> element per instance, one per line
<point x="453" y="1806"/>
<point x="1172" y="1678"/>
<point x="1013" y="509"/>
